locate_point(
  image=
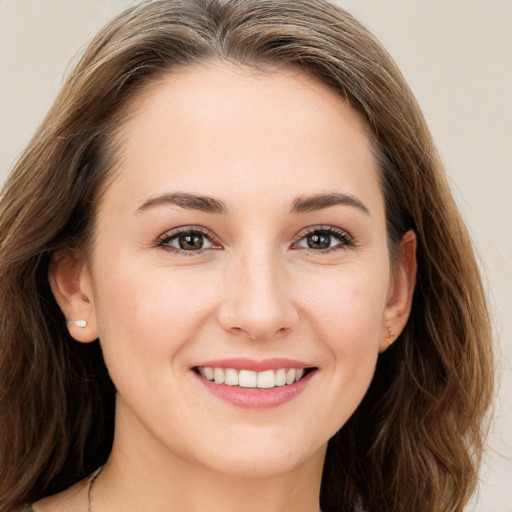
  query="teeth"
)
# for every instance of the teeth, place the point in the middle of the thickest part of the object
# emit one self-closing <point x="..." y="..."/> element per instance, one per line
<point x="281" y="377"/>
<point x="248" y="379"/>
<point x="231" y="377"/>
<point x="266" y="379"/>
<point x="218" y="375"/>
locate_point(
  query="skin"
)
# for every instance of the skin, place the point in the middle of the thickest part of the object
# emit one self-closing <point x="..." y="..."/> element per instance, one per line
<point x="256" y="141"/>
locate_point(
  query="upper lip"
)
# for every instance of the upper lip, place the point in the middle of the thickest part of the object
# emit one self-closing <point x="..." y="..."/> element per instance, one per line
<point x="254" y="365"/>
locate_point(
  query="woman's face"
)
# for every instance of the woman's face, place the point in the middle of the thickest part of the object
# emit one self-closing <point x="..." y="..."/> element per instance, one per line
<point x="244" y="230"/>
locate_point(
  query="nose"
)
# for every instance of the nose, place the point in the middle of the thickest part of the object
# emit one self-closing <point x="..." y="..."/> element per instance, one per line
<point x="258" y="301"/>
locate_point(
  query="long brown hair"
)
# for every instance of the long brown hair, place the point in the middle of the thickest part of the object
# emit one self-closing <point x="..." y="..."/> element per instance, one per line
<point x="414" y="443"/>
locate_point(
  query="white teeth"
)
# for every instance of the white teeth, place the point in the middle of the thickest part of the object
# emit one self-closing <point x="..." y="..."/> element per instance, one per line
<point x="231" y="377"/>
<point x="266" y="379"/>
<point x="281" y="377"/>
<point x="218" y="375"/>
<point x="290" y="376"/>
<point x="249" y="379"/>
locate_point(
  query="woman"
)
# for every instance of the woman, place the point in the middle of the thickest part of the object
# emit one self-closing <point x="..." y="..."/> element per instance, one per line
<point x="233" y="276"/>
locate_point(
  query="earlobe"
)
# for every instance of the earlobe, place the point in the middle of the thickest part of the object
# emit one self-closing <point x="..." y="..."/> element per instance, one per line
<point x="71" y="286"/>
<point x="399" y="304"/>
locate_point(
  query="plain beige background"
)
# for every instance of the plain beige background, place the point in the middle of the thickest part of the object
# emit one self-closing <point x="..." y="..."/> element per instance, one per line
<point x="457" y="56"/>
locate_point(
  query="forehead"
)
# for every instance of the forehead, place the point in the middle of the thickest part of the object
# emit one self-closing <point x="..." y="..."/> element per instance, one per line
<point x="222" y="127"/>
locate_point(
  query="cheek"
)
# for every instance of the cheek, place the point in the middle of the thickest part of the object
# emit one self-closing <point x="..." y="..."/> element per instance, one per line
<point x="146" y="314"/>
<point x="348" y="304"/>
<point x="346" y="313"/>
<point x="354" y="336"/>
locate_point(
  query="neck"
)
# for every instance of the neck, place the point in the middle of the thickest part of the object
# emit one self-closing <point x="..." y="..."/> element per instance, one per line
<point x="141" y="476"/>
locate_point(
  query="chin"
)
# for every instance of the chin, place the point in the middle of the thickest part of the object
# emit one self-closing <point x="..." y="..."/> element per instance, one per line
<point x="261" y="458"/>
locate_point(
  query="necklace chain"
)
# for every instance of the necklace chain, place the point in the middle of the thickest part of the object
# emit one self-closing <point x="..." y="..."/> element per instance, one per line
<point x="94" y="476"/>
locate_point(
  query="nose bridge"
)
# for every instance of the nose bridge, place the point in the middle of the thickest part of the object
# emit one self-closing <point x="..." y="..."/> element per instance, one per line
<point x="259" y="299"/>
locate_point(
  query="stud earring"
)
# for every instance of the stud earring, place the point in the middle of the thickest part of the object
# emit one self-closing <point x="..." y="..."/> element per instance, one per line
<point x="78" y="323"/>
<point x="390" y="338"/>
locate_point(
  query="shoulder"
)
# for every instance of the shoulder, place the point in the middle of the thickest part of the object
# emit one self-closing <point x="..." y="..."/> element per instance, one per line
<point x="73" y="499"/>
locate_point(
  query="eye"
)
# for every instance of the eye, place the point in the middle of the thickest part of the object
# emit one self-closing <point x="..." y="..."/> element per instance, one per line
<point x="325" y="239"/>
<point x="187" y="240"/>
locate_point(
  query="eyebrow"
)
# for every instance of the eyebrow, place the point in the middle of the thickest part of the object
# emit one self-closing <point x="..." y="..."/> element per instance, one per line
<point x="187" y="201"/>
<point x="304" y="204"/>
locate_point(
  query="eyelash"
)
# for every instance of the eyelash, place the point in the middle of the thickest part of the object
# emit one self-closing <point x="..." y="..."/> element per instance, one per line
<point x="345" y="239"/>
<point x="193" y="230"/>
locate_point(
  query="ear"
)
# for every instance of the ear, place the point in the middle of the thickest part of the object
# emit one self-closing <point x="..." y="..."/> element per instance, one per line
<point x="399" y="302"/>
<point x="71" y="286"/>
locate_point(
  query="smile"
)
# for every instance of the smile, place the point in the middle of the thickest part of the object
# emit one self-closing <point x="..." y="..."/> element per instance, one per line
<point x="267" y="379"/>
<point x="255" y="384"/>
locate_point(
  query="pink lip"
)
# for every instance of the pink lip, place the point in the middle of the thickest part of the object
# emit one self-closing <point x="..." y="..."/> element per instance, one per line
<point x="255" y="398"/>
<point x="253" y="365"/>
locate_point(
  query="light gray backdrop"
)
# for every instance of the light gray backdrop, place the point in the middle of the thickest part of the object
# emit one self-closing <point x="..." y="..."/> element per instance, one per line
<point x="457" y="56"/>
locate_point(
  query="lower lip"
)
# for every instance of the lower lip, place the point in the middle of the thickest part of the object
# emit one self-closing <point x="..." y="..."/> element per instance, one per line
<point x="256" y="398"/>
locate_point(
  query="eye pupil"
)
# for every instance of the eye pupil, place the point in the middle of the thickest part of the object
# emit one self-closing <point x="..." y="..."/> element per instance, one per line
<point x="191" y="241"/>
<point x="319" y="240"/>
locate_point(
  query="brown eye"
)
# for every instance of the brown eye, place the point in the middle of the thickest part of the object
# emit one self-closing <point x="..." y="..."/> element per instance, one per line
<point x="319" y="240"/>
<point x="191" y="242"/>
<point x="325" y="239"/>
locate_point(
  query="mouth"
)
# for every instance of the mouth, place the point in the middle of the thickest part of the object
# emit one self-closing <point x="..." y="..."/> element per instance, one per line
<point x="250" y="379"/>
<point x="255" y="384"/>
